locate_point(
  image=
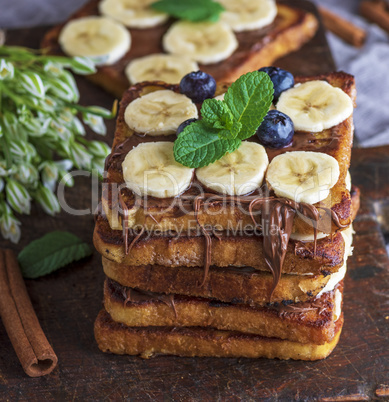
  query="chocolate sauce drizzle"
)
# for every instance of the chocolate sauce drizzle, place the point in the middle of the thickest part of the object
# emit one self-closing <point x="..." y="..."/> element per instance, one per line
<point x="275" y="213"/>
<point x="284" y="309"/>
<point x="300" y="308"/>
<point x="136" y="296"/>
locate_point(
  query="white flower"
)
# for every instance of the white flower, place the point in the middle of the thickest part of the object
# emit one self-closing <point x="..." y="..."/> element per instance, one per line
<point x="99" y="149"/>
<point x="6" y="70"/>
<point x="80" y="155"/>
<point x="18" y="197"/>
<point x="9" y="225"/>
<point x="26" y="173"/>
<point x="96" y="123"/>
<point x="98" y="165"/>
<point x="47" y="200"/>
<point x="49" y="172"/>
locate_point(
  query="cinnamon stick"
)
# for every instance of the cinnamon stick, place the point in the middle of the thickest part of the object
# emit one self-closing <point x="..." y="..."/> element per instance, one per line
<point x="344" y="29"/>
<point x="20" y="321"/>
<point x="376" y="12"/>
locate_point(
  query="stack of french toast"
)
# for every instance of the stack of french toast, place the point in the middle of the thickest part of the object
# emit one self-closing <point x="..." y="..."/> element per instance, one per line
<point x="226" y="211"/>
<point x="243" y="257"/>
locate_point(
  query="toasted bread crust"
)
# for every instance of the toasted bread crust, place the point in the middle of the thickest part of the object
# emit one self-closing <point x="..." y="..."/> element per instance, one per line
<point x="290" y="30"/>
<point x="236" y="285"/>
<point x="336" y="142"/>
<point x="307" y="326"/>
<point x="196" y="341"/>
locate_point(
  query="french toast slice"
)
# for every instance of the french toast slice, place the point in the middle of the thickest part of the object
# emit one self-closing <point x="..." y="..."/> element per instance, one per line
<point x="258" y="48"/>
<point x="242" y="285"/>
<point x="310" y="322"/>
<point x="166" y="214"/>
<point x="147" y="342"/>
<point x="240" y="250"/>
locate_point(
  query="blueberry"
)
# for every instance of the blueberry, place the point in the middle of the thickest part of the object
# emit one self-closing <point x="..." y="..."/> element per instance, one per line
<point x="281" y="79"/>
<point x="276" y="130"/>
<point x="198" y="86"/>
<point x="184" y="124"/>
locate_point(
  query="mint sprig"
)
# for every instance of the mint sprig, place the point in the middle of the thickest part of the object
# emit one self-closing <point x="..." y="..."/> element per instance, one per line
<point x="190" y="10"/>
<point x="51" y="252"/>
<point x="194" y="149"/>
<point x="225" y="124"/>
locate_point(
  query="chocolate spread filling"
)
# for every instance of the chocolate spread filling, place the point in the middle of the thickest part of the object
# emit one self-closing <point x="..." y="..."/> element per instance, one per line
<point x="319" y="305"/>
<point x="277" y="216"/>
<point x="138" y="296"/>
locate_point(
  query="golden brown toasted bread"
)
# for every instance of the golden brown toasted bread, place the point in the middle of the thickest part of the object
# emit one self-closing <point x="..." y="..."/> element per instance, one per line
<point x="165" y="249"/>
<point x="310" y="322"/>
<point x="167" y="214"/>
<point x="197" y="341"/>
<point x="246" y="250"/>
<point x="244" y="285"/>
<point x="289" y="31"/>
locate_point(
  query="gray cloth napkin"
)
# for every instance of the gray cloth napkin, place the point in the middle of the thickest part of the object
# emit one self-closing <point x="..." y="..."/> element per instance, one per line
<point x="370" y="64"/>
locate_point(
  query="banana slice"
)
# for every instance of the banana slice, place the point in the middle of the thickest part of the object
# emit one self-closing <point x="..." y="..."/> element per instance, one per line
<point x="339" y="275"/>
<point x="303" y="176"/>
<point x="159" y="112"/>
<point x="246" y="15"/>
<point x="100" y="38"/>
<point x="315" y="106"/>
<point x="133" y="13"/>
<point x="219" y="97"/>
<point x="348" y="235"/>
<point x="348" y="181"/>
<point x="237" y="173"/>
<point x="204" y="42"/>
<point x="150" y="169"/>
<point x="302" y="237"/>
<point x="160" y="67"/>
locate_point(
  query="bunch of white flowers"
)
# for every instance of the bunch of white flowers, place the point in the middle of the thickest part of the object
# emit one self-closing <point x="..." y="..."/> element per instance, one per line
<point x="41" y="134"/>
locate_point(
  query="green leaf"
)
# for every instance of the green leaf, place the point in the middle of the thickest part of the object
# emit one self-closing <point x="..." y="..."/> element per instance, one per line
<point x="249" y="99"/>
<point x="191" y="10"/>
<point x="225" y="123"/>
<point x="199" y="145"/>
<point x="235" y="128"/>
<point x="51" y="252"/>
<point x="217" y="114"/>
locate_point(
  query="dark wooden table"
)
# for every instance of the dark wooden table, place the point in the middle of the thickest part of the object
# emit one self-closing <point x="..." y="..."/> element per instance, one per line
<point x="68" y="301"/>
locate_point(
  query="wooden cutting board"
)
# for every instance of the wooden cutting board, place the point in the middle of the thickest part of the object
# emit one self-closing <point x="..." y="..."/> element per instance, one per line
<point x="68" y="301"/>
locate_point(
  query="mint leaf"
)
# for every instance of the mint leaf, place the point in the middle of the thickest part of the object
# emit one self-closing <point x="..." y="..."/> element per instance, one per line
<point x="216" y="114"/>
<point x="235" y="128"/>
<point x="225" y="123"/>
<point x="249" y="99"/>
<point x="51" y="252"/>
<point x="199" y="145"/>
<point x="191" y="10"/>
